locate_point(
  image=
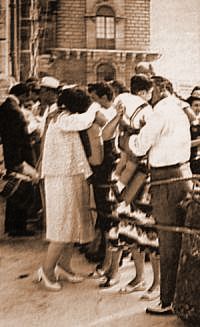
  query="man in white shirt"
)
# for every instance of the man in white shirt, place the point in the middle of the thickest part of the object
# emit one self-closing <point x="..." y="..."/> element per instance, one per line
<point x="166" y="139"/>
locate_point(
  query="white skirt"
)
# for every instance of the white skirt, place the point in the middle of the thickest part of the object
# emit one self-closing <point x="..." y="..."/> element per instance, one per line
<point x="68" y="215"/>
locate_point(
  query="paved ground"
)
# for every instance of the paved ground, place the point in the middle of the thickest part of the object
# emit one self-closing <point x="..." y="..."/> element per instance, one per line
<point x="82" y="305"/>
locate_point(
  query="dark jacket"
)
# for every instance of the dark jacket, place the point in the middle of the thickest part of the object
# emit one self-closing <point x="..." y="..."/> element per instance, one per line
<point x="14" y="135"/>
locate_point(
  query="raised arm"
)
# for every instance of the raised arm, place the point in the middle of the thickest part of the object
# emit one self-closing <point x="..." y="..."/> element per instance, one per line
<point x="110" y="128"/>
<point x="77" y="122"/>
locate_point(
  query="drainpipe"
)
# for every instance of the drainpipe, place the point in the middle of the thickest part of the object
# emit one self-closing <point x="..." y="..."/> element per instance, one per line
<point x="7" y="60"/>
<point x="13" y="40"/>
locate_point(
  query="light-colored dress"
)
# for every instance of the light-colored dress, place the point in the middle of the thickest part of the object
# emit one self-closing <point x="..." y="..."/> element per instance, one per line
<point x="65" y="170"/>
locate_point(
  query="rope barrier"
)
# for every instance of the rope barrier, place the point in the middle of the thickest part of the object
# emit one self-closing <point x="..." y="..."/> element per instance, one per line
<point x="177" y="229"/>
<point x="166" y="228"/>
<point x="159" y="182"/>
<point x="173" y="180"/>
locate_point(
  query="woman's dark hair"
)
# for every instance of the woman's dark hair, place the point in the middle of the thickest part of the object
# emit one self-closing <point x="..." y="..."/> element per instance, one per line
<point x="101" y="89"/>
<point x="140" y="82"/>
<point x="19" y="89"/>
<point x="74" y="100"/>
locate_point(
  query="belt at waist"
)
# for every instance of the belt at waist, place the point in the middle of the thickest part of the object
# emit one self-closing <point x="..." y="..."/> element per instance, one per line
<point x="178" y="165"/>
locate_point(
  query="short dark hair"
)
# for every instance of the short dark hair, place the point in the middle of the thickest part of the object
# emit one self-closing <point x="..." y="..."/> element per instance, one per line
<point x="144" y="67"/>
<point x="19" y="89"/>
<point x="75" y="100"/>
<point x="101" y="89"/>
<point x="140" y="82"/>
<point x="163" y="83"/>
<point x="118" y="87"/>
<point x="33" y="84"/>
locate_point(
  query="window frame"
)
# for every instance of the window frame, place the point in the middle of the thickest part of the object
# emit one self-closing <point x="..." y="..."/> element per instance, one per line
<point x="105" y="28"/>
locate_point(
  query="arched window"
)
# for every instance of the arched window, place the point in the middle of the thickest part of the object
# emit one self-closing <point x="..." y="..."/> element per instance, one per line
<point x="105" y="72"/>
<point x="105" y="28"/>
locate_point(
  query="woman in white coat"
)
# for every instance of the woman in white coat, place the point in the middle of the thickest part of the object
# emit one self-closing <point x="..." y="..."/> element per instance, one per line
<point x="65" y="170"/>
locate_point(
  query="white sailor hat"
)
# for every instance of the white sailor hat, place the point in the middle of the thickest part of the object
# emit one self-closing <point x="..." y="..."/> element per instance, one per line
<point x="49" y="82"/>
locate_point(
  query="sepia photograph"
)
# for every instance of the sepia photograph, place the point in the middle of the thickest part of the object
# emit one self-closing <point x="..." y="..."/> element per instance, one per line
<point x="99" y="163"/>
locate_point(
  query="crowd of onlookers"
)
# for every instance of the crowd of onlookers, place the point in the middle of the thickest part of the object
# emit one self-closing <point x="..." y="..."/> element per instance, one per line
<point x="78" y="163"/>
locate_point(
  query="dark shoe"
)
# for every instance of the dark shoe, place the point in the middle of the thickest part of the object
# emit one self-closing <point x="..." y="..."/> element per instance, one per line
<point x="159" y="309"/>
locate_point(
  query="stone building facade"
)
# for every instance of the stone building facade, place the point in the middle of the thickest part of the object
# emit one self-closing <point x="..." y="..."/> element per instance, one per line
<point x="77" y="41"/>
<point x="96" y="39"/>
<point x="88" y="40"/>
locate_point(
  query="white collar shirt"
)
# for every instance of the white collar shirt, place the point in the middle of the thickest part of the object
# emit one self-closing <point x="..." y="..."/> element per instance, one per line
<point x="166" y="136"/>
<point x="132" y="103"/>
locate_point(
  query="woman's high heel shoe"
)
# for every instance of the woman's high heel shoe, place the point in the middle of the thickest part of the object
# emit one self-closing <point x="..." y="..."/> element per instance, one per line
<point x="60" y="273"/>
<point x="41" y="277"/>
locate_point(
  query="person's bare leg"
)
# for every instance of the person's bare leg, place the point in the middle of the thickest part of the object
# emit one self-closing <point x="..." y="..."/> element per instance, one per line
<point x="53" y="254"/>
<point x="66" y="256"/>
<point x="114" y="268"/>
<point x="139" y="261"/>
<point x="138" y="282"/>
<point x="107" y="260"/>
<point x="63" y="269"/>
<point x="155" y="262"/>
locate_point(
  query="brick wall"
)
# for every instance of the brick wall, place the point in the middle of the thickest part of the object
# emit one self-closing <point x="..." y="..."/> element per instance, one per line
<point x="71" y="32"/>
<point x="71" y="23"/>
<point x="76" y="28"/>
<point x="137" y="30"/>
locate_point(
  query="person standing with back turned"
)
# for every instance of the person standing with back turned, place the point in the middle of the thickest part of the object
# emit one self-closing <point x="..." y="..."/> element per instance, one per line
<point x="166" y="139"/>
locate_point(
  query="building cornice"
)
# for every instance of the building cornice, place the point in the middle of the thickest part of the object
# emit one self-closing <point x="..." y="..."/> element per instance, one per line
<point x="119" y="53"/>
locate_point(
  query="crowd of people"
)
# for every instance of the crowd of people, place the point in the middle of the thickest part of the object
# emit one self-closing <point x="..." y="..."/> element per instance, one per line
<point x="91" y="161"/>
